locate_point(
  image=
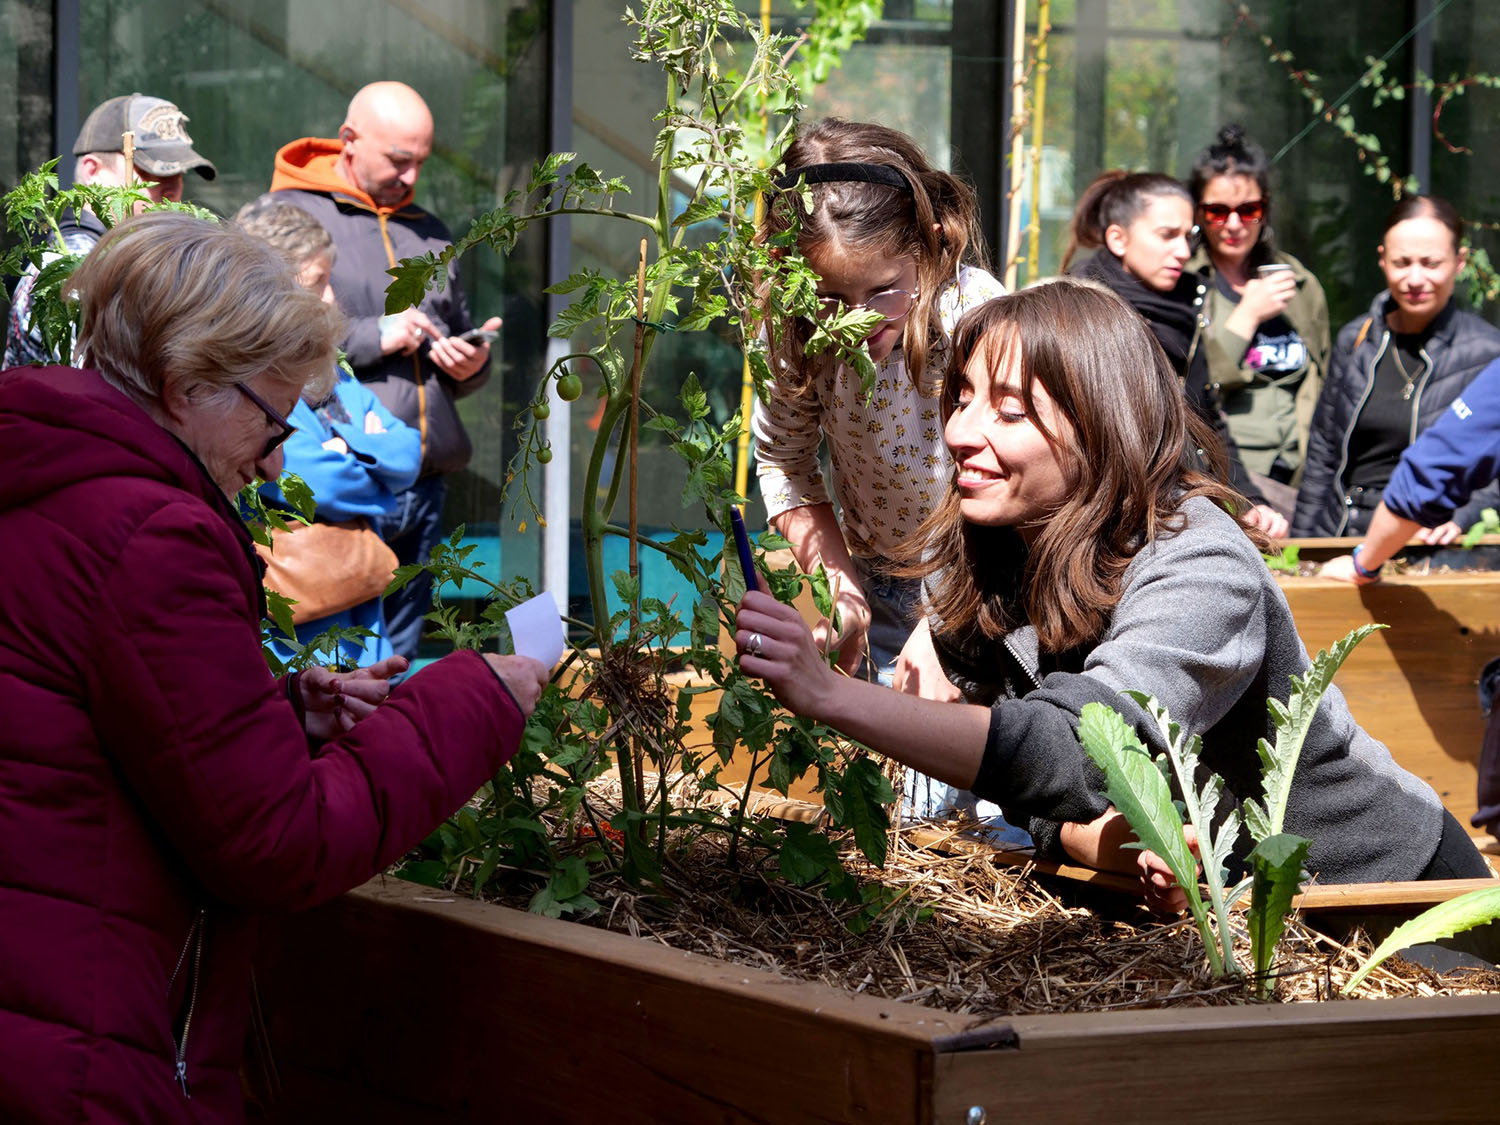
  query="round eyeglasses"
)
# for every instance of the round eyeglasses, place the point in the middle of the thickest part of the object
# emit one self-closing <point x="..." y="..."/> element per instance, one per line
<point x="1217" y="214"/>
<point x="889" y="303"/>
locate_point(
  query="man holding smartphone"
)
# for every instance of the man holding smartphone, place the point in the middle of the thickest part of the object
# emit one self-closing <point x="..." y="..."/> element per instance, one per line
<point x="420" y="360"/>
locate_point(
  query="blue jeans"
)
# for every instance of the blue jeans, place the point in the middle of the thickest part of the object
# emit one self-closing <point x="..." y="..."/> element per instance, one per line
<point x="412" y="530"/>
<point x="894" y="606"/>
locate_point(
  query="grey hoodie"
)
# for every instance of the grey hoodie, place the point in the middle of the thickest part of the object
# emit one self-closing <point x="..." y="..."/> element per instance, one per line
<point x="1203" y="626"/>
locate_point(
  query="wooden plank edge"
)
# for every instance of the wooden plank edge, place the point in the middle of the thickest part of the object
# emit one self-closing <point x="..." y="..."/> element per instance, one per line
<point x="872" y="1014"/>
<point x="1412" y="897"/>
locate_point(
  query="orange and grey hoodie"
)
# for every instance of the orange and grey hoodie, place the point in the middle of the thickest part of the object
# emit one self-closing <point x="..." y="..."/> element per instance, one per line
<point x="370" y="239"/>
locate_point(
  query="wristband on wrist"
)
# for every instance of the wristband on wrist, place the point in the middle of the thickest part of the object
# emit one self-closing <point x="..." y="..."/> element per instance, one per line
<point x="1367" y="575"/>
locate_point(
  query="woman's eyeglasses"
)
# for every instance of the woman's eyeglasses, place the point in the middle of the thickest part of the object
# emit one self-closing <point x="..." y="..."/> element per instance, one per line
<point x="891" y="304"/>
<point x="1217" y="214"/>
<point x="285" y="428"/>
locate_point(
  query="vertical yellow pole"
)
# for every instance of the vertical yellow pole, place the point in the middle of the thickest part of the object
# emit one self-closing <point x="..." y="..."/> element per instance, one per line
<point x="747" y="381"/>
<point x="1034" y="228"/>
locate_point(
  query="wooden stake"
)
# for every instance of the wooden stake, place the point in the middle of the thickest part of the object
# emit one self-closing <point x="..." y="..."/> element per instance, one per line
<point x="127" y="146"/>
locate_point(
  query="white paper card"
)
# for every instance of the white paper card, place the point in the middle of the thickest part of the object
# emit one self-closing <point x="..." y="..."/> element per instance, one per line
<point x="536" y="628"/>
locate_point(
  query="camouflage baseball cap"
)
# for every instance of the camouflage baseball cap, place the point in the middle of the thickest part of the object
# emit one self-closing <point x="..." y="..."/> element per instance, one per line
<point x="162" y="145"/>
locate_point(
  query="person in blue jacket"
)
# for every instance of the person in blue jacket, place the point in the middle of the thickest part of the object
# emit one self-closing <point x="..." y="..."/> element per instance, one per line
<point x="354" y="454"/>
<point x="1455" y="457"/>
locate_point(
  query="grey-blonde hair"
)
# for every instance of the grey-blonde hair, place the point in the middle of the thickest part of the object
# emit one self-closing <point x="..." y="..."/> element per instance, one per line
<point x="170" y="300"/>
<point x="289" y="230"/>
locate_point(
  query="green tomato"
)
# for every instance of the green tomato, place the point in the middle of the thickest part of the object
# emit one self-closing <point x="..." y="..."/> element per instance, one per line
<point x="569" y="387"/>
<point x="544" y="455"/>
<point x="541" y="411"/>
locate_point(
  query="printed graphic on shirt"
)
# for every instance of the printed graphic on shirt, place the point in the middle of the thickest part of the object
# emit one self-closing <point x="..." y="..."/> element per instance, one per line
<point x="1461" y="408"/>
<point x="1281" y="354"/>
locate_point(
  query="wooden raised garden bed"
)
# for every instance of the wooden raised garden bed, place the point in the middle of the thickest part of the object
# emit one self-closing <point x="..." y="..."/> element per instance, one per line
<point x="399" y="1003"/>
<point x="1413" y="685"/>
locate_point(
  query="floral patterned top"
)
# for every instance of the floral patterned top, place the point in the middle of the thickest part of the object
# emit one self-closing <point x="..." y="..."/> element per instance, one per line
<point x="890" y="465"/>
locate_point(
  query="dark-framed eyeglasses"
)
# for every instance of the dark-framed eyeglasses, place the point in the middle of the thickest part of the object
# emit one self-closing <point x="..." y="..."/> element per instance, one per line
<point x="889" y="303"/>
<point x="1217" y="214"/>
<point x="284" y="428"/>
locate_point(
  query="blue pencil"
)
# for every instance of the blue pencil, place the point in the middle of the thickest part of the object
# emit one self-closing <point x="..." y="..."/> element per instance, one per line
<point x="742" y="545"/>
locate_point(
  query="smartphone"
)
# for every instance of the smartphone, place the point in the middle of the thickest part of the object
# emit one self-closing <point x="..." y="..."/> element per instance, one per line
<point x="742" y="545"/>
<point x="480" y="336"/>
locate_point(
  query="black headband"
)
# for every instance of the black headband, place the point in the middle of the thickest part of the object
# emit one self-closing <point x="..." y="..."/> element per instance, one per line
<point x="844" y="173"/>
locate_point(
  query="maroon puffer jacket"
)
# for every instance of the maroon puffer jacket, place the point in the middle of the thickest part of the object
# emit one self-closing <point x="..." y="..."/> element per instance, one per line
<point x="156" y="787"/>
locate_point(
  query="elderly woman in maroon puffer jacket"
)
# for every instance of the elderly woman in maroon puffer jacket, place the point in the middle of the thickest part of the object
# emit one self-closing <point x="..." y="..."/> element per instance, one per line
<point x="157" y="786"/>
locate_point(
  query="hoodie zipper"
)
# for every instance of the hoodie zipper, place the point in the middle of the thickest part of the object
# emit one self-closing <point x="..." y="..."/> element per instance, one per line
<point x="1026" y="669"/>
<point x="194" y="944"/>
<point x="1416" y="404"/>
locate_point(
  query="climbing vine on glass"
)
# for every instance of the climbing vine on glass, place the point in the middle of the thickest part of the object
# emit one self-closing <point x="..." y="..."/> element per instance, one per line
<point x="1478" y="275"/>
<point x="624" y="699"/>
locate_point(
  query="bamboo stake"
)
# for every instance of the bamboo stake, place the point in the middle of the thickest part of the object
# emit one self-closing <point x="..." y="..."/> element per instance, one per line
<point x="127" y="146"/>
<point x="637" y="751"/>
<point x="1017" y="146"/>
<point x="1034" y="228"/>
<point x="635" y="431"/>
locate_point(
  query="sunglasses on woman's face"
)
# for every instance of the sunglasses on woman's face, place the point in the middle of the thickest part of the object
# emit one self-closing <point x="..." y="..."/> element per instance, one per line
<point x="284" y="428"/>
<point x="1217" y="214"/>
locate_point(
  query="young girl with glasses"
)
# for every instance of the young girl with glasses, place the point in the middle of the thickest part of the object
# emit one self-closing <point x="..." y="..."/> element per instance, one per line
<point x="1266" y="319"/>
<point x="1142" y="226"/>
<point x="889" y="233"/>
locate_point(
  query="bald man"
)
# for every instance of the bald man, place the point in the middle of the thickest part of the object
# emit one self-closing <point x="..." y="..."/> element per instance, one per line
<point x="359" y="186"/>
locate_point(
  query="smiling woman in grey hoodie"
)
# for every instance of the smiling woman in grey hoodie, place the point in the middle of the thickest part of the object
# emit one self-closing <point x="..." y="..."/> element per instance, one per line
<point x="1081" y="553"/>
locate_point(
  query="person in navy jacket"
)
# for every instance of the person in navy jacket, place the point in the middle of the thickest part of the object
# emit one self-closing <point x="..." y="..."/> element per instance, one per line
<point x="1454" y="458"/>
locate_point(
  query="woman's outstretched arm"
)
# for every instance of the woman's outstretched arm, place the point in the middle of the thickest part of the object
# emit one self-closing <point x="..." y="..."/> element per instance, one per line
<point x="943" y="740"/>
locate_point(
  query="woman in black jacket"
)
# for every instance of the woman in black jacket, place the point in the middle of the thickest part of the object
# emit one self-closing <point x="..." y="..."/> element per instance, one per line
<point x="1142" y="224"/>
<point x="1394" y="371"/>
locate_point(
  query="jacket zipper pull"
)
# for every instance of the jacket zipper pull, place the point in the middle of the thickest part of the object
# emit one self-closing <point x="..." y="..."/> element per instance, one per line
<point x="182" y="1078"/>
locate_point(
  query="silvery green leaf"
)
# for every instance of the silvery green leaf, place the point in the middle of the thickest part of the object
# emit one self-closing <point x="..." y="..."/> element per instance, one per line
<point x="1276" y="874"/>
<point x="1444" y="920"/>
<point x="1139" y="792"/>
<point x="1293" y="721"/>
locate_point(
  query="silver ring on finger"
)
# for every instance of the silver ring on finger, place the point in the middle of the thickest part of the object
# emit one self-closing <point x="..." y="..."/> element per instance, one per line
<point x="753" y="645"/>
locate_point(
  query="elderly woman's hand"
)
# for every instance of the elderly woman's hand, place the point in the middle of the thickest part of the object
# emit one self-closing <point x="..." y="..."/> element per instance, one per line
<point x="525" y="676"/>
<point x="332" y="702"/>
<point x="775" y="644"/>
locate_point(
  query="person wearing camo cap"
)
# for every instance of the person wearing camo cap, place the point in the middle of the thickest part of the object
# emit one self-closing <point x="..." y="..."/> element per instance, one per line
<point x="163" y="154"/>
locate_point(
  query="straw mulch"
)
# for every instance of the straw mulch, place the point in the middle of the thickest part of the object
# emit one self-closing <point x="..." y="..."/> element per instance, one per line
<point x="957" y="931"/>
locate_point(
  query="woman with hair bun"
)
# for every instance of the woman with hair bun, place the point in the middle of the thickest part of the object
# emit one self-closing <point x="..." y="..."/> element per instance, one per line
<point x="1142" y="224"/>
<point x="1266" y="330"/>
<point x="1395" y="370"/>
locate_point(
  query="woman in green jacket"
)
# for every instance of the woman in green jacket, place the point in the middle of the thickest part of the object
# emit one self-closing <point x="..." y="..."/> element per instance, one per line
<point x="1266" y="335"/>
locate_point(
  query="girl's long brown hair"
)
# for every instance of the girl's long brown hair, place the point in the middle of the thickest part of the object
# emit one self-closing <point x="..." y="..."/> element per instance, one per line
<point x="875" y="218"/>
<point x="1133" y="460"/>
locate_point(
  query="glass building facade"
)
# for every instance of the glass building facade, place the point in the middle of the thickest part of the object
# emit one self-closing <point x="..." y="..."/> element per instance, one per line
<point x="1140" y="84"/>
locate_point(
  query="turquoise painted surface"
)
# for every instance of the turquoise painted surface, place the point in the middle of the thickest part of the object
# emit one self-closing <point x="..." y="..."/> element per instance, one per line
<point x="659" y="579"/>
